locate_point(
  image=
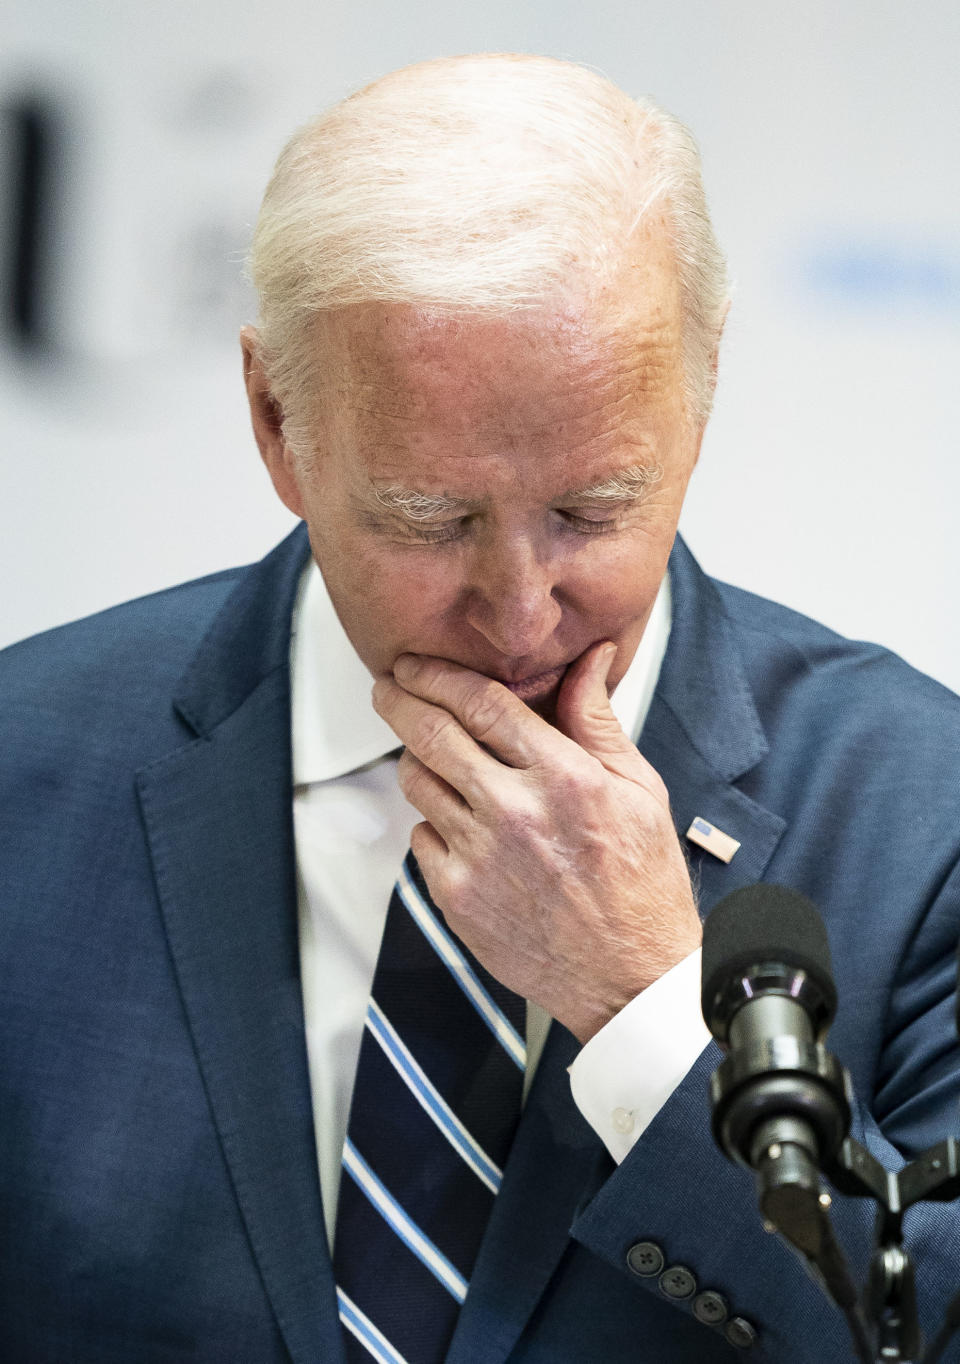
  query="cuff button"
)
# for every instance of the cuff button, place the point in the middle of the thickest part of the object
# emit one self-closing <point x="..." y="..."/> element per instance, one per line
<point x="710" y="1307"/>
<point x="739" y="1332"/>
<point x="622" y="1121"/>
<point x="645" y="1259"/>
<point x="678" y="1282"/>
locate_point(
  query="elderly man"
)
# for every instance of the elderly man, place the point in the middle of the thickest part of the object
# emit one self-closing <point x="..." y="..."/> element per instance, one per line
<point x="249" y="1113"/>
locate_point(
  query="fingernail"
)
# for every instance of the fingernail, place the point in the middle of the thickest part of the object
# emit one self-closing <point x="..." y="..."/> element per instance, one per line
<point x="405" y="664"/>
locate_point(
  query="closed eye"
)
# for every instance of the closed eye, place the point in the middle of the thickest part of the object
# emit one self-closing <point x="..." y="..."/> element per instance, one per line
<point x="435" y="533"/>
<point x="592" y="521"/>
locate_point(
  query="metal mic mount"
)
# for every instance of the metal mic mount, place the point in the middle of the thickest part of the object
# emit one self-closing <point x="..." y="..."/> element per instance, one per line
<point x="781" y="1106"/>
<point x="891" y="1293"/>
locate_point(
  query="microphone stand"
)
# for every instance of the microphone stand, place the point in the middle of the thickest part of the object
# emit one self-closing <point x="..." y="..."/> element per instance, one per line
<point x="779" y="1104"/>
<point x="891" y="1290"/>
<point x="782" y="1107"/>
<point x="793" y="1203"/>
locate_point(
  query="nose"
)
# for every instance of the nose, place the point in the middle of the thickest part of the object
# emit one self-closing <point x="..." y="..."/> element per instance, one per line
<point x="512" y="602"/>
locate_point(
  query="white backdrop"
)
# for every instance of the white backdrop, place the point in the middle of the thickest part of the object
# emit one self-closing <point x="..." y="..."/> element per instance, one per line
<point x="829" y="132"/>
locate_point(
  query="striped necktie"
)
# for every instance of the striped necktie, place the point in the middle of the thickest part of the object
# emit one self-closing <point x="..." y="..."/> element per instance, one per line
<point x="435" y="1105"/>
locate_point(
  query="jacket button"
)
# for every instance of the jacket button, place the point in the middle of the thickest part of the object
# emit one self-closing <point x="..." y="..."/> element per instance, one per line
<point x="645" y="1258"/>
<point x="710" y="1307"/>
<point x="739" y="1332"/>
<point x="678" y="1282"/>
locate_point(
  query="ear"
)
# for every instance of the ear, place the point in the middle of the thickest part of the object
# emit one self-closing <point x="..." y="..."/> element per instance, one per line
<point x="267" y="420"/>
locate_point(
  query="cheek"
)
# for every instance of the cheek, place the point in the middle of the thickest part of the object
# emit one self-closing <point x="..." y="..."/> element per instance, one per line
<point x="408" y="595"/>
<point x="419" y="596"/>
<point x="618" y="587"/>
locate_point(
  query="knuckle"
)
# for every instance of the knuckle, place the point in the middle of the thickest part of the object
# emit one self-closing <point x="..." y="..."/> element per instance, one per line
<point x="419" y="839"/>
<point x="448" y="889"/>
<point x="433" y="729"/>
<point x="482" y="708"/>
<point x="580" y="781"/>
<point x="520" y="818"/>
<point x="455" y="885"/>
<point x="421" y="843"/>
<point x="411" y="775"/>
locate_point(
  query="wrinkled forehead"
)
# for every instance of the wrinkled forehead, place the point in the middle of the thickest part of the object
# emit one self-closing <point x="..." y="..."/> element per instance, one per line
<point x="407" y="363"/>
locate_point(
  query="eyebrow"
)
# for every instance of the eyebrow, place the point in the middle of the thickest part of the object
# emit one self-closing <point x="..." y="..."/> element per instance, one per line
<point x="628" y="485"/>
<point x="416" y="506"/>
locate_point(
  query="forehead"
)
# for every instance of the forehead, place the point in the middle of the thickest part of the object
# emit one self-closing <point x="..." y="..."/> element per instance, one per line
<point x="573" y="376"/>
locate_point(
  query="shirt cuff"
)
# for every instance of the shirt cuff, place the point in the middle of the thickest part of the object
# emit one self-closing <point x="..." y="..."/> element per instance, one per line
<point x="628" y="1070"/>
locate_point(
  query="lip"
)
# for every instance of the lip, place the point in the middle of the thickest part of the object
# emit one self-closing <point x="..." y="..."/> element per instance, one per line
<point x="537" y="685"/>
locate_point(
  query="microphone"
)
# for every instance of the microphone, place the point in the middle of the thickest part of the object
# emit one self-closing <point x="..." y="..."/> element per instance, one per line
<point x="779" y="928"/>
<point x="781" y="1102"/>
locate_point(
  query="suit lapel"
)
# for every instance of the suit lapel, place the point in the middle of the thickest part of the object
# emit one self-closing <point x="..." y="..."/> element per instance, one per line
<point x="696" y="789"/>
<point x="702" y="733"/>
<point x="218" y="819"/>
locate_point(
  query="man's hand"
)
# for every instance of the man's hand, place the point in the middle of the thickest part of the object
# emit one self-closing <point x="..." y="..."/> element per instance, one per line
<point x="550" y="851"/>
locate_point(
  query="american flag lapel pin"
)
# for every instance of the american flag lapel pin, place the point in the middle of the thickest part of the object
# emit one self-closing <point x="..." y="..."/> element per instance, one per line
<point x="712" y="839"/>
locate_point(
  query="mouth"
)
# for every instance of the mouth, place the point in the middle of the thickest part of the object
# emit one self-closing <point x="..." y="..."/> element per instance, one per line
<point x="537" y="686"/>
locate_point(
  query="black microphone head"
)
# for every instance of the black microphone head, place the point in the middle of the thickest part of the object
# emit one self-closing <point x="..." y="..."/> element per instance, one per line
<point x="757" y="925"/>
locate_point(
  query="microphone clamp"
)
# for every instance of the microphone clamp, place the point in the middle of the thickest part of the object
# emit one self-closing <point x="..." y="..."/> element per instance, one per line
<point x="780" y="1078"/>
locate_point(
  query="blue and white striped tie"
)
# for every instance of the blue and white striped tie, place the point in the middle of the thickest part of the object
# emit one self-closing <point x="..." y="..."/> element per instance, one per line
<point x="435" y="1105"/>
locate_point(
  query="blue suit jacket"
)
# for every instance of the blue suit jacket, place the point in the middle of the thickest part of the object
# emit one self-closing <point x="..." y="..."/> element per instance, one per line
<point x="159" y="1199"/>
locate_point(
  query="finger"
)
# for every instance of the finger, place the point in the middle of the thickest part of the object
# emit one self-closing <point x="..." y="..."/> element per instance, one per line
<point x="431" y="853"/>
<point x="486" y="709"/>
<point x="585" y="715"/>
<point x="437" y="739"/>
<point x="436" y="799"/>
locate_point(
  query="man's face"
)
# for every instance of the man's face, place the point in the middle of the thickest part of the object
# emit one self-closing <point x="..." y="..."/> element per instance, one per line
<point x="501" y="492"/>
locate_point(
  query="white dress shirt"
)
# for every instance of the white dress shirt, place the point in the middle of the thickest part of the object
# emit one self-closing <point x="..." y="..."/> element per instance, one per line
<point x="352" y="829"/>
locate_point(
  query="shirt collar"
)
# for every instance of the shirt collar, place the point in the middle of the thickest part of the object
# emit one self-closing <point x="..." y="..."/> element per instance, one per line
<point x="335" y="729"/>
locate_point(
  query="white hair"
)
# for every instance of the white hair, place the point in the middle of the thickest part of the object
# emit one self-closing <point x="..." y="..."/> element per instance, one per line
<point x="486" y="183"/>
<point x="629" y="485"/>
